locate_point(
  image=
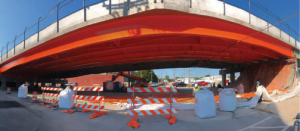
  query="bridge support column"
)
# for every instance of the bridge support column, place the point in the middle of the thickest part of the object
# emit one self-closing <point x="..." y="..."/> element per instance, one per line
<point x="223" y="80"/>
<point x="3" y="83"/>
<point x="31" y="85"/>
<point x="232" y="77"/>
<point x="18" y="84"/>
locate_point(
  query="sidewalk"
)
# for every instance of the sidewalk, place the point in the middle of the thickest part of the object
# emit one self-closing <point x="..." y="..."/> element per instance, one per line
<point x="34" y="117"/>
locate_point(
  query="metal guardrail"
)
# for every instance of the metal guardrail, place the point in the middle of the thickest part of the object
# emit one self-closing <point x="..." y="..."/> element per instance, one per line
<point x="59" y="6"/>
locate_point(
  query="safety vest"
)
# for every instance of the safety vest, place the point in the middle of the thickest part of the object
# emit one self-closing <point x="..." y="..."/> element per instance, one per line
<point x="196" y="89"/>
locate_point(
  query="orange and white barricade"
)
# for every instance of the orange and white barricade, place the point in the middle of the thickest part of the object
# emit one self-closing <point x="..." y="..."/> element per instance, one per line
<point x="8" y="90"/>
<point x="85" y="107"/>
<point x="34" y="97"/>
<point x="54" y="100"/>
<point x="168" y="112"/>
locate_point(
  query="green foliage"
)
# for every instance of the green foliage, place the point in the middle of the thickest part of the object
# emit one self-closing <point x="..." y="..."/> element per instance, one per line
<point x="146" y="74"/>
<point x="207" y="76"/>
<point x="197" y="78"/>
<point x="167" y="78"/>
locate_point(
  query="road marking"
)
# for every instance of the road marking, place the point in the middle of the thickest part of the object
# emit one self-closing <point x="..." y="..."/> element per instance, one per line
<point x="255" y="124"/>
<point x="285" y="128"/>
<point x="269" y="127"/>
<point x="296" y="126"/>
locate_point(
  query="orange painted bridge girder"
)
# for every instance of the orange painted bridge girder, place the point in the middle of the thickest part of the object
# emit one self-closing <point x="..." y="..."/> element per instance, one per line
<point x="136" y="32"/>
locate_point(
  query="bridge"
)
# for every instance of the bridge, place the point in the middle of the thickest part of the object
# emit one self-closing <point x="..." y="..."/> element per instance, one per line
<point x="121" y="35"/>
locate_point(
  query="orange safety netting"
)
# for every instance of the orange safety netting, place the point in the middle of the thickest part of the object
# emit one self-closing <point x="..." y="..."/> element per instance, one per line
<point x="181" y="97"/>
<point x="272" y="75"/>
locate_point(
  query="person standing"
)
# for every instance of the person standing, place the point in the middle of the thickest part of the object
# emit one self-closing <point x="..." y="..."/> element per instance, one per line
<point x="196" y="88"/>
<point x="257" y="85"/>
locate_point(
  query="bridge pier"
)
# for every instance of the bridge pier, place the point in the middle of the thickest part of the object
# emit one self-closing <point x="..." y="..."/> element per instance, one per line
<point x="231" y="71"/>
<point x="232" y="77"/>
<point x="3" y="83"/>
<point x="223" y="80"/>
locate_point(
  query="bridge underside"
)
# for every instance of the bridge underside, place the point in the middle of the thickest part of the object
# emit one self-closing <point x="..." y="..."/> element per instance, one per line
<point x="147" y="40"/>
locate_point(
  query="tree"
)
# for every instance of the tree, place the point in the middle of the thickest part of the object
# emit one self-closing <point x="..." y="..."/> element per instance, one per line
<point x="207" y="76"/>
<point x="146" y="74"/>
<point x="176" y="77"/>
<point x="167" y="78"/>
<point x="197" y="78"/>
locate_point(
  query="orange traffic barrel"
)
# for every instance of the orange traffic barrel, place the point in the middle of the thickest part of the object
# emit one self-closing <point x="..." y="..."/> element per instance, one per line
<point x="8" y="90"/>
<point x="34" y="97"/>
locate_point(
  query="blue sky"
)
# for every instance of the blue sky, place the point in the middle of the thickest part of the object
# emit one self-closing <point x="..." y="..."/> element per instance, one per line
<point x="15" y="15"/>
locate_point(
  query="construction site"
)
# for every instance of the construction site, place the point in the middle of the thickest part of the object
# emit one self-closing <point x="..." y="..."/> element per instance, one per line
<point x="100" y="67"/>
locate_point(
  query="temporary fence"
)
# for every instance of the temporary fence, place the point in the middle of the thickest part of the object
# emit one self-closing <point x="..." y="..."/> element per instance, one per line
<point x="84" y="97"/>
<point x="52" y="101"/>
<point x="133" y="113"/>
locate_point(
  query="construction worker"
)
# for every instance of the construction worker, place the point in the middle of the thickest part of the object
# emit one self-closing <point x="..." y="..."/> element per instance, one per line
<point x="196" y="88"/>
<point x="257" y="85"/>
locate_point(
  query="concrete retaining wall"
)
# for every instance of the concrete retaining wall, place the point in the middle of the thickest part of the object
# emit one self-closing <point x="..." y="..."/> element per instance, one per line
<point x="100" y="12"/>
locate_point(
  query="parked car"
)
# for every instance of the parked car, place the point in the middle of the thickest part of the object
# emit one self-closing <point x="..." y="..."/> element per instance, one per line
<point x="173" y="84"/>
<point x="154" y="84"/>
<point x="201" y="83"/>
<point x="179" y="84"/>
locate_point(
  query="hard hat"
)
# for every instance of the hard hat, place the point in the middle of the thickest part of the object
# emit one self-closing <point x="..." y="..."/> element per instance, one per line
<point x="257" y="82"/>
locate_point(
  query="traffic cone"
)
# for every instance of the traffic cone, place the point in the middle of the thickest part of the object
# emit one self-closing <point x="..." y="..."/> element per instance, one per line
<point x="172" y="119"/>
<point x="8" y="90"/>
<point x="71" y="111"/>
<point x="64" y="111"/>
<point x="48" y="106"/>
<point x="67" y="111"/>
<point x="133" y="123"/>
<point x="97" y="114"/>
<point x="34" y="97"/>
<point x="85" y="110"/>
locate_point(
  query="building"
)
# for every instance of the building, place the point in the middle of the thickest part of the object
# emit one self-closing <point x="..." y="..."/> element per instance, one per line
<point x="98" y="79"/>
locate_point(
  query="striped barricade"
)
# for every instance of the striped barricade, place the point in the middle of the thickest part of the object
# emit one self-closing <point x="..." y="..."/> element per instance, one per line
<point x="82" y="97"/>
<point x="152" y="101"/>
<point x="88" y="88"/>
<point x="154" y="89"/>
<point x="51" y="94"/>
<point x="150" y="112"/>
<point x="51" y="89"/>
<point x="168" y="112"/>
<point x="51" y="101"/>
<point x="91" y="107"/>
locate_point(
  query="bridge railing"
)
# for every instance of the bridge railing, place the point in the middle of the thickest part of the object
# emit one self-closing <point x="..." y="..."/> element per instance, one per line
<point x="60" y="17"/>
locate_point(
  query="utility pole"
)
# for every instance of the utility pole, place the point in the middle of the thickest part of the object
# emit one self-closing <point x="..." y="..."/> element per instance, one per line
<point x="174" y="74"/>
<point x="203" y="73"/>
<point x="189" y="76"/>
<point x="161" y="73"/>
<point x="183" y="75"/>
<point x="151" y="76"/>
